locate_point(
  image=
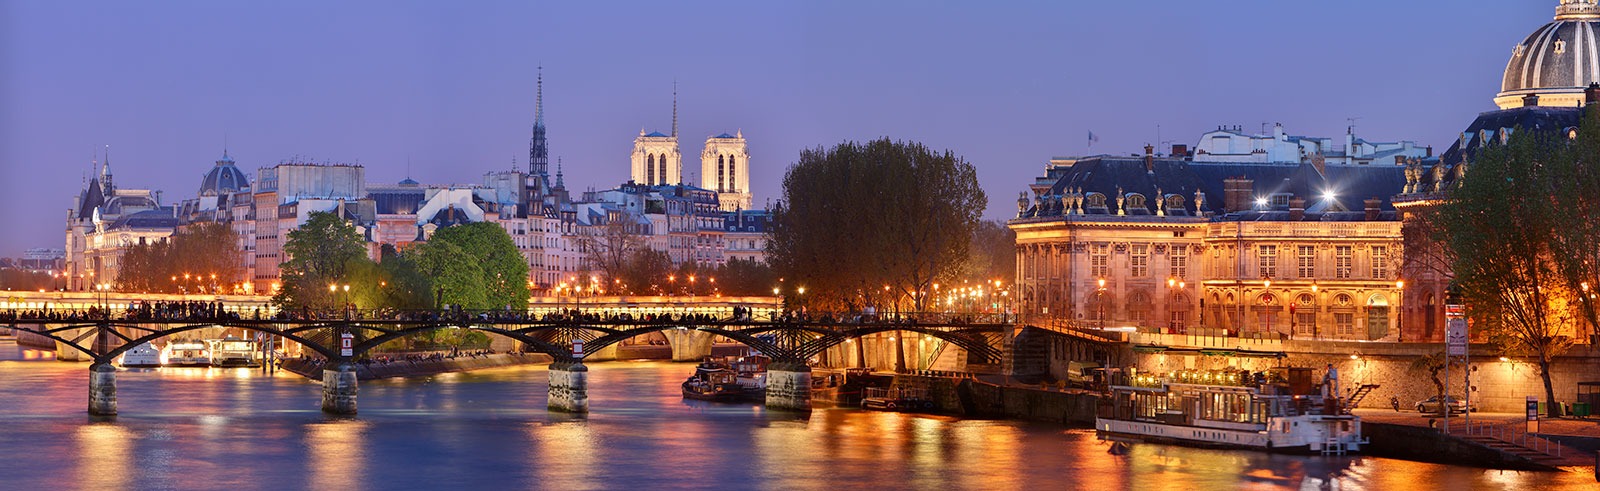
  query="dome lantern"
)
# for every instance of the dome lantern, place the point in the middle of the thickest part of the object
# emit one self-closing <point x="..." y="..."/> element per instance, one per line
<point x="1578" y="9"/>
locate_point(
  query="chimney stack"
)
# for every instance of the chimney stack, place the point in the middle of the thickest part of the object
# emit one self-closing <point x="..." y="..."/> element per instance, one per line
<point x="1297" y="208"/>
<point x="1236" y="193"/>
<point x="1591" y="95"/>
<point x="1372" y="205"/>
<point x="1530" y="100"/>
<point x="1150" y="158"/>
<point x="1180" y="151"/>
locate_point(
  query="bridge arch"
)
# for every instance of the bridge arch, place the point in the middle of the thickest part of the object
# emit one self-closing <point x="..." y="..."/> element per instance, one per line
<point x="964" y="339"/>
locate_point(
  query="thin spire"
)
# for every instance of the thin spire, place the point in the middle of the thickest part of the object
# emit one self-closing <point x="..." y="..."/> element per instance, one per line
<point x="674" y="108"/>
<point x="105" y="169"/>
<point x="560" y="180"/>
<point x="538" y="98"/>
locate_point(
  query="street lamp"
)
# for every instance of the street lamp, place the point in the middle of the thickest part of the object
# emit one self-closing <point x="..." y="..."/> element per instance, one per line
<point x="1100" y="301"/>
<point x="1400" y="311"/>
<point x="1316" y="311"/>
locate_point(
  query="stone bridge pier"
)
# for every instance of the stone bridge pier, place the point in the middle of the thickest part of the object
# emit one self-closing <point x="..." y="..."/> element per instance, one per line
<point x="789" y="386"/>
<point x="569" y="387"/>
<point x="102" y="389"/>
<point x="339" y="389"/>
<point x="689" y="344"/>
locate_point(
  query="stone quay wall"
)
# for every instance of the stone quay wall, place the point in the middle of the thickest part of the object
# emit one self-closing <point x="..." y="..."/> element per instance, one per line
<point x="976" y="398"/>
<point x="1501" y="386"/>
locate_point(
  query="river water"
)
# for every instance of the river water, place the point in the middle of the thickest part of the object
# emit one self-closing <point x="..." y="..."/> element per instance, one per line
<point x="206" y="428"/>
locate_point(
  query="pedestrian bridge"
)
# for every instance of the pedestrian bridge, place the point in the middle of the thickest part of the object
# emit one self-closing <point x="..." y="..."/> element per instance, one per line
<point x="342" y="337"/>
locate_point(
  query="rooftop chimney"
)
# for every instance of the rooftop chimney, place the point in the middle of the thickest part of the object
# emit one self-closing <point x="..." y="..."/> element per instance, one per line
<point x="1591" y="95"/>
<point x="1180" y="151"/>
<point x="1236" y="194"/>
<point x="1530" y="100"/>
<point x="1372" y="205"/>
<point x="1149" y="158"/>
<point x="1297" y="208"/>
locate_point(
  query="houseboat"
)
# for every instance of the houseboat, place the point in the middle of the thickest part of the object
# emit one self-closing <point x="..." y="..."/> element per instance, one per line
<point x="233" y="352"/>
<point x="186" y="353"/>
<point x="714" y="383"/>
<point x="142" y="356"/>
<point x="1280" y="411"/>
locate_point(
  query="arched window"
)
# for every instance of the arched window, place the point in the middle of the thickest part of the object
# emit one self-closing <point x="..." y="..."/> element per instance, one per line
<point x="722" y="174"/>
<point x="650" y="169"/>
<point x="733" y="171"/>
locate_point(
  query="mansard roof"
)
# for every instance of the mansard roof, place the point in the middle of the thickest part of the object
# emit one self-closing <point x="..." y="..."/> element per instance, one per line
<point x="1107" y="175"/>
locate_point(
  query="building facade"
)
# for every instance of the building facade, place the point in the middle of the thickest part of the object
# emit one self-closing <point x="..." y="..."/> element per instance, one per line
<point x="725" y="168"/>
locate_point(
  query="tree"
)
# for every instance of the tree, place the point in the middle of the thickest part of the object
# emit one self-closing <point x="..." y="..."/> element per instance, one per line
<point x="406" y="287"/>
<point x="319" y="253"/>
<point x="1498" y="226"/>
<point x="858" y="217"/>
<point x="502" y="272"/>
<point x="1575" y="244"/>
<point x="200" y="257"/>
<point x="645" y="274"/>
<point x="452" y="270"/>
<point x="1433" y="363"/>
<point x="744" y="277"/>
<point x="611" y="247"/>
<point x="994" y="252"/>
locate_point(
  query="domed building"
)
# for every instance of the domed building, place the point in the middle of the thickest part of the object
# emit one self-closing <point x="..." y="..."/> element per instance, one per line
<point x="1554" y="65"/>
<point x="225" y="178"/>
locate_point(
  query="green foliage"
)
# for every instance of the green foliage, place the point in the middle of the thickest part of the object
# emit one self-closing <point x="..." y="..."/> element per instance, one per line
<point x="406" y="287"/>
<point x="501" y="272"/>
<point x="320" y="252"/>
<point x="1501" y="227"/>
<point x="203" y="257"/>
<point x="994" y="253"/>
<point x="858" y="217"/>
<point x="449" y="267"/>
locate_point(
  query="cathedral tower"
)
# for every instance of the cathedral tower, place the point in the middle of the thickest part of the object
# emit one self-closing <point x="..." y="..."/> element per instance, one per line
<point x="725" y="168"/>
<point x="539" y="148"/>
<point x="656" y="160"/>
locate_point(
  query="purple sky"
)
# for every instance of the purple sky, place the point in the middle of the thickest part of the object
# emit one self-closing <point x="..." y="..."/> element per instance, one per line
<point x="450" y="85"/>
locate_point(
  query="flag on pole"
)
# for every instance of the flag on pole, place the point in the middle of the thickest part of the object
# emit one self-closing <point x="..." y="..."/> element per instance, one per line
<point x="1093" y="138"/>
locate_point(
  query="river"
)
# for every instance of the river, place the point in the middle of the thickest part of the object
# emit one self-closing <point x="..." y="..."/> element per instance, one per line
<point x="207" y="428"/>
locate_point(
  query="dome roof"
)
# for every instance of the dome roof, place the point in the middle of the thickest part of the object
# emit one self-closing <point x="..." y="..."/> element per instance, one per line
<point x="1558" y="60"/>
<point x="224" y="178"/>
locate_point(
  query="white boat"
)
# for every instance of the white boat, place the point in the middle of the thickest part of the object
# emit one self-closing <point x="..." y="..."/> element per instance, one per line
<point x="233" y="352"/>
<point x="186" y="353"/>
<point x="1275" y="411"/>
<point x="141" y="356"/>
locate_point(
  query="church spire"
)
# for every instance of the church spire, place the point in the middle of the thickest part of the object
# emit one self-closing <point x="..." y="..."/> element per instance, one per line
<point x="561" y="183"/>
<point x="674" y="108"/>
<point x="539" y="148"/>
<point x="105" y="173"/>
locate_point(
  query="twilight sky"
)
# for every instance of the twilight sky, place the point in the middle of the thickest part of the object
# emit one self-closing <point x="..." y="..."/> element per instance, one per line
<point x="449" y="86"/>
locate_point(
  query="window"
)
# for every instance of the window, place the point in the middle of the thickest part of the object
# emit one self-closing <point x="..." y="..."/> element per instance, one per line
<point x="1269" y="260"/>
<point x="1345" y="322"/>
<point x="1307" y="261"/>
<point x="1140" y="260"/>
<point x="1341" y="262"/>
<point x="1099" y="260"/>
<point x="1380" y="262"/>
<point x="1179" y="259"/>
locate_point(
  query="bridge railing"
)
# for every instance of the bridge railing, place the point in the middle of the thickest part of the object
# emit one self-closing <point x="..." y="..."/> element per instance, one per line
<point x="213" y="312"/>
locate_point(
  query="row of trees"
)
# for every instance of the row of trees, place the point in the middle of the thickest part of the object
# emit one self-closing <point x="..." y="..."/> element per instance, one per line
<point x="475" y="266"/>
<point x="203" y="257"/>
<point x="877" y="223"/>
<point x="1519" y="235"/>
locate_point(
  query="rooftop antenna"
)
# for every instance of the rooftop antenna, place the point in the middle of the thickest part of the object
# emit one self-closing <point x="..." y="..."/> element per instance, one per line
<point x="1352" y="128"/>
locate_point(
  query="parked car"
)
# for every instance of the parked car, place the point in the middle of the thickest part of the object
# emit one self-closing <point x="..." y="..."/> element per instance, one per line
<point x="1431" y="405"/>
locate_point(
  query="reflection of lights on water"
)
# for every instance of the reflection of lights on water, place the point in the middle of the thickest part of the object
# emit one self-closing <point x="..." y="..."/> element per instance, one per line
<point x="557" y="444"/>
<point x="104" y="453"/>
<point x="337" y="458"/>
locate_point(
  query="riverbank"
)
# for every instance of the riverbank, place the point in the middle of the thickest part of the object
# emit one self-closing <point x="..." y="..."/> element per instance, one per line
<point x="312" y="369"/>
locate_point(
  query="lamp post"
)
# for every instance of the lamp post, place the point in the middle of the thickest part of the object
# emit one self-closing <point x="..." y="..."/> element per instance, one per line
<point x="1400" y="311"/>
<point x="1266" y="286"/>
<point x="1100" y="302"/>
<point x="1316" y="311"/>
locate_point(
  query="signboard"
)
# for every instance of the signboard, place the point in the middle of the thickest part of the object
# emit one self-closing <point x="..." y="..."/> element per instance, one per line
<point x="1455" y="337"/>
<point x="577" y="347"/>
<point x="1533" y="409"/>
<point x="346" y="340"/>
<point x="1455" y="330"/>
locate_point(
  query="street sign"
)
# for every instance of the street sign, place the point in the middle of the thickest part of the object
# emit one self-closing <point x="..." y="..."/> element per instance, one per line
<point x="1455" y="330"/>
<point x="577" y="347"/>
<point x="346" y="341"/>
<point x="1455" y="337"/>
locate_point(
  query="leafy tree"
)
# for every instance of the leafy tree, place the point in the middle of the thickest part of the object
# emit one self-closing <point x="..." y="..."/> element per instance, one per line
<point x="743" y="277"/>
<point x="1498" y="226"/>
<point x="1575" y="244"/>
<point x="405" y="286"/>
<point x="861" y="216"/>
<point x="994" y="252"/>
<point x="320" y="251"/>
<point x="23" y="280"/>
<point x="450" y="268"/>
<point x="502" y="272"/>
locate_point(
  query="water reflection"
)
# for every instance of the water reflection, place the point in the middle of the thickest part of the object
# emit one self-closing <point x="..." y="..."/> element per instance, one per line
<point x="104" y="450"/>
<point x="201" y="428"/>
<point x="336" y="454"/>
